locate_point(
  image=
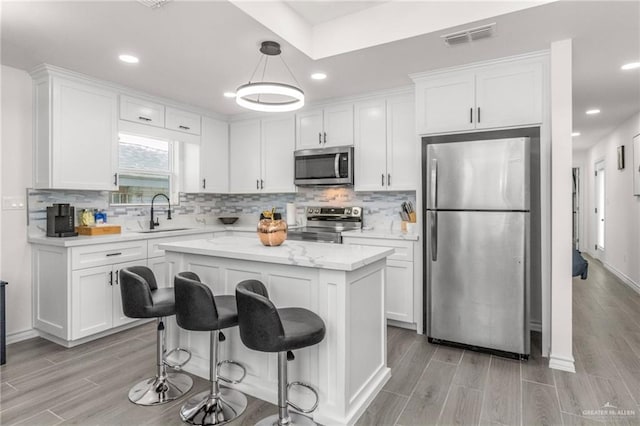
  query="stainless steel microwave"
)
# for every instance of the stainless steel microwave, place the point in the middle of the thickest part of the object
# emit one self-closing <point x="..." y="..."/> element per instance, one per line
<point x="324" y="166"/>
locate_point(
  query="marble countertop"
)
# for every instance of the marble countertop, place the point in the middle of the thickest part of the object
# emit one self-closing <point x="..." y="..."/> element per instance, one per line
<point x="293" y="253"/>
<point x="381" y="234"/>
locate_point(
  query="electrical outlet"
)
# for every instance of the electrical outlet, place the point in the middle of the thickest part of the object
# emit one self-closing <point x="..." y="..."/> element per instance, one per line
<point x="14" y="203"/>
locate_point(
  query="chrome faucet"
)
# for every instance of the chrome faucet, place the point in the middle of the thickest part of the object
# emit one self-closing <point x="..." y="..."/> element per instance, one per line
<point x="152" y="223"/>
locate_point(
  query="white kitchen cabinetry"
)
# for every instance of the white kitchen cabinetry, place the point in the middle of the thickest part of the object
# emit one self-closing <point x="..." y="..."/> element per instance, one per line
<point x="261" y="155"/>
<point x="399" y="293"/>
<point x="141" y="111"/>
<point x="214" y="156"/>
<point x="182" y="121"/>
<point x="325" y="127"/>
<point x="76" y="133"/>
<point x="502" y="94"/>
<point x="386" y="147"/>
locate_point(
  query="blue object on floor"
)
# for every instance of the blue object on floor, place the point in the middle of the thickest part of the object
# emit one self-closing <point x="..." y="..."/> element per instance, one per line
<point x="580" y="265"/>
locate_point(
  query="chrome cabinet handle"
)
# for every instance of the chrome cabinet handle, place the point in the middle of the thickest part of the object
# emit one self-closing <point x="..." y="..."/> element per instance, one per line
<point x="204" y="184"/>
<point x="388" y="179"/>
<point x="257" y="183"/>
<point x="478" y="114"/>
<point x="261" y="184"/>
<point x="110" y="277"/>
<point x="117" y="276"/>
<point x="382" y="179"/>
<point x="470" y="115"/>
<point x="114" y="254"/>
<point x="325" y="137"/>
<point x="115" y="179"/>
<point x="143" y="118"/>
<point x="319" y="138"/>
<point x="183" y="127"/>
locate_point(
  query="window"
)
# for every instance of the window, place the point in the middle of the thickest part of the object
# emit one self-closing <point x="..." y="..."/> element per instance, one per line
<point x="145" y="169"/>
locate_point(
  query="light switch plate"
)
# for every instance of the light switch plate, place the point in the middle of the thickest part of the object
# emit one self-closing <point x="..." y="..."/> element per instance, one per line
<point x="14" y="203"/>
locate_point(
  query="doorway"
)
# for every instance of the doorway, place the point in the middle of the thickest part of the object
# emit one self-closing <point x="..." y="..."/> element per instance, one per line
<point x="600" y="197"/>
<point x="576" y="207"/>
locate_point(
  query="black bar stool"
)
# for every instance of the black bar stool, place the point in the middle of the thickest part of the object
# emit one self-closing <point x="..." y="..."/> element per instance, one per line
<point x="197" y="309"/>
<point x="141" y="298"/>
<point x="267" y="329"/>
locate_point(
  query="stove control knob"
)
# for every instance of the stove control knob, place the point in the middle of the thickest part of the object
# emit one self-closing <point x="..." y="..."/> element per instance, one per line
<point x="316" y="211"/>
<point x="347" y="211"/>
<point x="309" y="210"/>
<point x="356" y="211"/>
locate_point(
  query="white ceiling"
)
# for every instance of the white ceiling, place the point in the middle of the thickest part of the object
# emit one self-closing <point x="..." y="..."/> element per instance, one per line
<point x="318" y="11"/>
<point x="194" y="51"/>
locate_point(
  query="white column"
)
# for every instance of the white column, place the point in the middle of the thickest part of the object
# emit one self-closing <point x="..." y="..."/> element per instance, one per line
<point x="561" y="356"/>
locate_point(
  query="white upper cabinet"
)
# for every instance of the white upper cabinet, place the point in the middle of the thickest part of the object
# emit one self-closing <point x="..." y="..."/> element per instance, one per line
<point x="278" y="144"/>
<point x="503" y="94"/>
<point x="386" y="146"/>
<point x="509" y="95"/>
<point x="182" y="121"/>
<point x="214" y="156"/>
<point x="325" y="127"/>
<point x="76" y="134"/>
<point x="141" y="111"/>
<point x="261" y="155"/>
<point x="244" y="156"/>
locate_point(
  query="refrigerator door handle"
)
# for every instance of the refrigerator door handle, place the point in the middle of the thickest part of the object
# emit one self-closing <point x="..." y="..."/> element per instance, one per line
<point x="434" y="183"/>
<point x="434" y="235"/>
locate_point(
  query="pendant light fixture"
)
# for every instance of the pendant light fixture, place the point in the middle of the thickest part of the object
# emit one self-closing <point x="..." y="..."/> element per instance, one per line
<point x="267" y="96"/>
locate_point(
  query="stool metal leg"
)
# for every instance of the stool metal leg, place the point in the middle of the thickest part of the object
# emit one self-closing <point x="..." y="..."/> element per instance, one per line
<point x="165" y="386"/>
<point x="284" y="417"/>
<point x="217" y="406"/>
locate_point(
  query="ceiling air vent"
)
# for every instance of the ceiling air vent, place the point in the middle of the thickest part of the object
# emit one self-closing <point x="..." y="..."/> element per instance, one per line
<point x="153" y="4"/>
<point x="471" y="34"/>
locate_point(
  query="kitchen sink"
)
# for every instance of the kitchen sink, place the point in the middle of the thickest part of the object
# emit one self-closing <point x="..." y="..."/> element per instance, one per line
<point x="154" y="231"/>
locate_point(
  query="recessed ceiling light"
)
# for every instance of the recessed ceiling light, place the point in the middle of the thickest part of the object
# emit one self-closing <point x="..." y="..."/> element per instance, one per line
<point x="593" y="111"/>
<point x="130" y="59"/>
<point x="229" y="94"/>
<point x="318" y="76"/>
<point x="575" y="134"/>
<point x="630" y="66"/>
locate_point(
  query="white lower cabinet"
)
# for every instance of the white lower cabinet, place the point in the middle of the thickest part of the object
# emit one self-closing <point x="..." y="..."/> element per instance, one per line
<point x="77" y="289"/>
<point x="400" y="283"/>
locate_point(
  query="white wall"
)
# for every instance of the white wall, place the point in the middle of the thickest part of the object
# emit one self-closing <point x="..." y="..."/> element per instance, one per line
<point x="622" y="208"/>
<point x="16" y="146"/>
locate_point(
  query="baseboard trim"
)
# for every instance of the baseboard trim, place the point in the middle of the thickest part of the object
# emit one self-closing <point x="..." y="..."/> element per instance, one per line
<point x="400" y="324"/>
<point x="558" y="362"/>
<point x="535" y="325"/>
<point x="622" y="277"/>
<point x="19" y="336"/>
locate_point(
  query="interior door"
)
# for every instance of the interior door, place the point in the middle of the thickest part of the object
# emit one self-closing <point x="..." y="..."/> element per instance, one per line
<point x="600" y="175"/>
<point x="477" y="279"/>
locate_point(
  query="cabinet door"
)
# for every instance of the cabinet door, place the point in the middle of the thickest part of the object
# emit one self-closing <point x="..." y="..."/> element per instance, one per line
<point x="338" y="125"/>
<point x="188" y="166"/>
<point x="182" y="121"/>
<point x="91" y="301"/>
<point x="244" y="155"/>
<point x="399" y="291"/>
<point x="85" y="136"/>
<point x="445" y="103"/>
<point x="141" y="111"/>
<point x="119" y="318"/>
<point x="214" y="156"/>
<point x="509" y="95"/>
<point x="370" y="146"/>
<point x="403" y="145"/>
<point x="278" y="144"/>
<point x="309" y="129"/>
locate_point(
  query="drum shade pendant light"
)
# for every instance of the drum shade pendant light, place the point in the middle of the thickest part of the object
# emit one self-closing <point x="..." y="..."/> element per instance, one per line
<point x="267" y="96"/>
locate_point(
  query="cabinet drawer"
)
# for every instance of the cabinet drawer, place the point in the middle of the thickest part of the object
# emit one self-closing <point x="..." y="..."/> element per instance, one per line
<point x="182" y="121"/>
<point x="141" y="111"/>
<point x="153" y="244"/>
<point x="107" y="254"/>
<point x="403" y="249"/>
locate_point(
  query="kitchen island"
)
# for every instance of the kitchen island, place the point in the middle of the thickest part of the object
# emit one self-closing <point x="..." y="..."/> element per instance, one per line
<point x="343" y="284"/>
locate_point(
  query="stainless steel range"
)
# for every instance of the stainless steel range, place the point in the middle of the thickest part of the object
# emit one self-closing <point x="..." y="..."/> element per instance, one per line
<point x="325" y="224"/>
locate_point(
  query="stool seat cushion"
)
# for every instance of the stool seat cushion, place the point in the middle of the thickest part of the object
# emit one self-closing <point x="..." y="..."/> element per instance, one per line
<point x="197" y="309"/>
<point x="141" y="297"/>
<point x="302" y="328"/>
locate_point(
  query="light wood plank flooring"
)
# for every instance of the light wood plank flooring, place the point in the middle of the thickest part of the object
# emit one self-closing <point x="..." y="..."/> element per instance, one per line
<point x="45" y="384"/>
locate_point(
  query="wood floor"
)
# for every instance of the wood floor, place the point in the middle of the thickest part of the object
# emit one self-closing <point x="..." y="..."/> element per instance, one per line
<point x="45" y="384"/>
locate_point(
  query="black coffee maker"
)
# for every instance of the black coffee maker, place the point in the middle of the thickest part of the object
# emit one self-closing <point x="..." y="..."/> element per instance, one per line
<point x="60" y="220"/>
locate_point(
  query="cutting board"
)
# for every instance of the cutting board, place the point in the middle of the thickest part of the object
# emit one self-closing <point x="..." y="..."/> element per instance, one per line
<point x="98" y="230"/>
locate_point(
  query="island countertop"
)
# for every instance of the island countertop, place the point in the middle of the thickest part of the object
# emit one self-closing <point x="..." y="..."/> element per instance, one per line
<point x="297" y="253"/>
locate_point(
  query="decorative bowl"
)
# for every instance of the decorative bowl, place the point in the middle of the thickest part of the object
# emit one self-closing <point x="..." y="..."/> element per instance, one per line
<point x="228" y="220"/>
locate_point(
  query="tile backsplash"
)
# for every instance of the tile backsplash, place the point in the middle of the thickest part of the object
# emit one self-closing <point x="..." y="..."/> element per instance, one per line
<point x="381" y="209"/>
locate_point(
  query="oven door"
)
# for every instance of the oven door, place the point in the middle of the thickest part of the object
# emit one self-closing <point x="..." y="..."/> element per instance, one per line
<point x="330" y="166"/>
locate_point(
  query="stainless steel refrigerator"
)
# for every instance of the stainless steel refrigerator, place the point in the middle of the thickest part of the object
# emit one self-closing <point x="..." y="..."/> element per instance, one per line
<point x="477" y="199"/>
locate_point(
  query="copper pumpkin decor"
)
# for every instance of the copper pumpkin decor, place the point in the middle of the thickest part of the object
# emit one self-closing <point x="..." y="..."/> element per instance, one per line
<point x="272" y="230"/>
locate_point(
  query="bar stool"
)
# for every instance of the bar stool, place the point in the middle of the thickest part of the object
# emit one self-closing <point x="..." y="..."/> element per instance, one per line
<point x="267" y="329"/>
<point x="197" y="309"/>
<point x="141" y="298"/>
